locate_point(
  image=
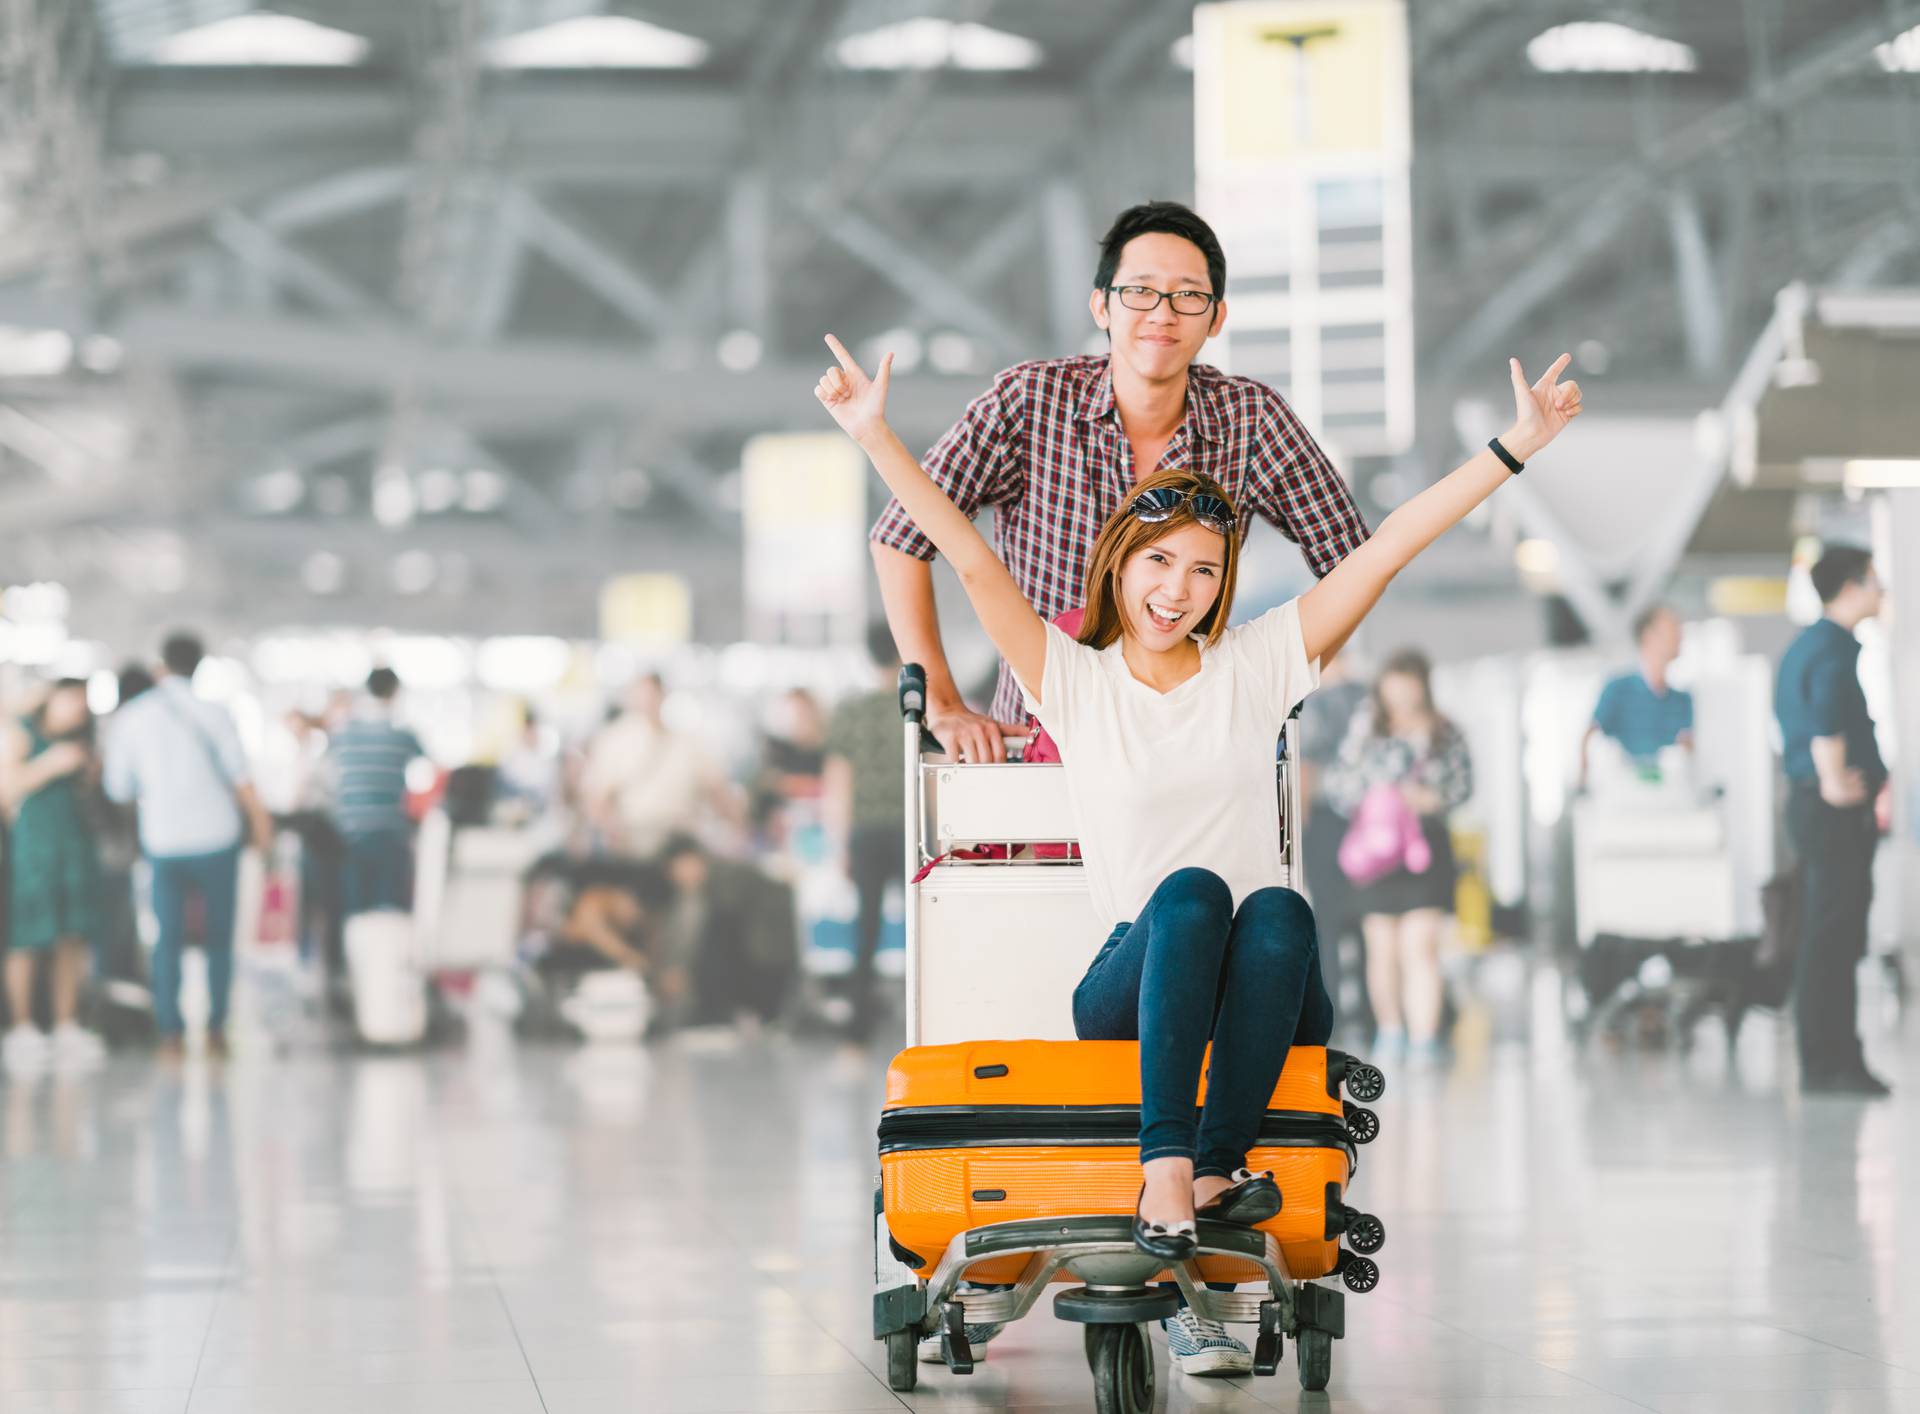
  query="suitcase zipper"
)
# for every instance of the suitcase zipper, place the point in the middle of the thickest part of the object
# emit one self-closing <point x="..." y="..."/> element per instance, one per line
<point x="1107" y="1126"/>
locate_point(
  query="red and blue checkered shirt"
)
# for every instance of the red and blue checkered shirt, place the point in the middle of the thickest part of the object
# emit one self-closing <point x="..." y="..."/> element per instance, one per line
<point x="1044" y="447"/>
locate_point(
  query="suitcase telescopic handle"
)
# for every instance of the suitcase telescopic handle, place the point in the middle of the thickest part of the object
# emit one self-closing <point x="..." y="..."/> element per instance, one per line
<point x="913" y="692"/>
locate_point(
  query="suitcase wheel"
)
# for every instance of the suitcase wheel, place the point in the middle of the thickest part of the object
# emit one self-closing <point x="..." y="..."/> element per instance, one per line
<point x="1365" y="1082"/>
<point x="1366" y="1234"/>
<point x="1361" y="1274"/>
<point x="1363" y="1125"/>
<point x="1122" y="1369"/>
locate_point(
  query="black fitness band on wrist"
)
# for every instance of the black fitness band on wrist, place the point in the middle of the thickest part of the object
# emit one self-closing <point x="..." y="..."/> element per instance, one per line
<point x="1512" y="464"/>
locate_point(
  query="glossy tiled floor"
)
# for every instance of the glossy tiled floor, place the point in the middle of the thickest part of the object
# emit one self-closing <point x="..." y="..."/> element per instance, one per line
<point x="684" y="1231"/>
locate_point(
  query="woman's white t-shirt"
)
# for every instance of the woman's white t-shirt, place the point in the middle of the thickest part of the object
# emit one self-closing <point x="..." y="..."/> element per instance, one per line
<point x="1161" y="782"/>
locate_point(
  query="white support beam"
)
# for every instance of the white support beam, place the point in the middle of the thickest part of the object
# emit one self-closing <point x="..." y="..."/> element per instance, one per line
<point x="1587" y="219"/>
<point x="1070" y="262"/>
<point x="281" y="263"/>
<point x="1702" y="320"/>
<point x="594" y="263"/>
<point x="908" y="271"/>
<point x="1154" y="26"/>
<point x="749" y="253"/>
<point x="167" y="210"/>
<point x="500" y="262"/>
<point x="334" y="196"/>
<point x="532" y="378"/>
<point x="1474" y="423"/>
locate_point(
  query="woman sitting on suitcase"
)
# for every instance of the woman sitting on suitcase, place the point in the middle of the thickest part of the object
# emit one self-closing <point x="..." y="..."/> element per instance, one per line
<point x="1166" y="720"/>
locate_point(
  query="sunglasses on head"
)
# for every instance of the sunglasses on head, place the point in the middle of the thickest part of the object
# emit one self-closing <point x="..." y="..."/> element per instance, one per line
<point x="1162" y="502"/>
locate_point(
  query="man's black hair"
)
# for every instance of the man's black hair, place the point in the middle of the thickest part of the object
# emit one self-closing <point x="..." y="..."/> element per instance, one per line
<point x="678" y="843"/>
<point x="1160" y="216"/>
<point x="1646" y="619"/>
<point x="880" y="645"/>
<point x="1837" y="567"/>
<point x="384" y="684"/>
<point x="182" y="653"/>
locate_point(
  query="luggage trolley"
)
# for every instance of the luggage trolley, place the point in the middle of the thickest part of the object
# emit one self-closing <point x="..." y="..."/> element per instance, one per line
<point x="998" y="893"/>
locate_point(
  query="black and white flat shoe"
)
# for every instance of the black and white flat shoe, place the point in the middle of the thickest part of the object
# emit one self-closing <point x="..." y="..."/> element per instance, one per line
<point x="1170" y="1242"/>
<point x="1254" y="1198"/>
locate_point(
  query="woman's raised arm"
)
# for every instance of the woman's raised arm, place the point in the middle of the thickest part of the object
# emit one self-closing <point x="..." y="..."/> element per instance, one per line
<point x="1333" y="608"/>
<point x="859" y="404"/>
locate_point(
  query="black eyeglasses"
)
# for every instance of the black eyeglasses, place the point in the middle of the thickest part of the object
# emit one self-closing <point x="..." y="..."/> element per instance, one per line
<point x="1162" y="502"/>
<point x="1144" y="298"/>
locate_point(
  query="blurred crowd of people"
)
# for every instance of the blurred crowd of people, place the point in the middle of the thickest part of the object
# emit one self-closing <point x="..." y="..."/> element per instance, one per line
<point x="662" y="865"/>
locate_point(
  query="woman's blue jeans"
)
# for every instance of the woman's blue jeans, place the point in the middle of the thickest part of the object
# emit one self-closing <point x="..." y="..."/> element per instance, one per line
<point x="1192" y="969"/>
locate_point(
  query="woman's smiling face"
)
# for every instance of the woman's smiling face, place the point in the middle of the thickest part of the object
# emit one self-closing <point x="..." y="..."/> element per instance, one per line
<point x="1166" y="588"/>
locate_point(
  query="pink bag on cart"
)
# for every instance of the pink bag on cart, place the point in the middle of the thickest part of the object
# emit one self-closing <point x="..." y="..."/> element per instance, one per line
<point x="1384" y="836"/>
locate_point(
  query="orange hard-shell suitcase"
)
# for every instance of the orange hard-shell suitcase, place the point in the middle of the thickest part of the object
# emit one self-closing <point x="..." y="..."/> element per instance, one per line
<point x="996" y="1131"/>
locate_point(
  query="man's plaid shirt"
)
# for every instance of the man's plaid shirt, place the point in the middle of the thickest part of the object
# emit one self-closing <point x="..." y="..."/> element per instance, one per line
<point x="1045" y="448"/>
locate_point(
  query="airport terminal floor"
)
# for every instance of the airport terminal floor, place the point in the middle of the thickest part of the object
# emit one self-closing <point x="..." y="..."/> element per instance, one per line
<point x="500" y="1228"/>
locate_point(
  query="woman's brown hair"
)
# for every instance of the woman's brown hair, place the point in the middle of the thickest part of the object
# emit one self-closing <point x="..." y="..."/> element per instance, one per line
<point x="1409" y="663"/>
<point x="1125" y="534"/>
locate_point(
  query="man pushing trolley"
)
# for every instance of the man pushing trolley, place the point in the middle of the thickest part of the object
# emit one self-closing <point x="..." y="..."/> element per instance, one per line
<point x="1165" y="720"/>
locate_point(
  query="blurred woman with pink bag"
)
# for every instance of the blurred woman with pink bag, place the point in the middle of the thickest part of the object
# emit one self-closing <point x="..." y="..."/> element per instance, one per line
<point x="1402" y="769"/>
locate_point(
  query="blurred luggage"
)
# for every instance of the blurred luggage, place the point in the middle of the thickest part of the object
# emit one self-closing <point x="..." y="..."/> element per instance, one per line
<point x="608" y="1006"/>
<point x="389" y="988"/>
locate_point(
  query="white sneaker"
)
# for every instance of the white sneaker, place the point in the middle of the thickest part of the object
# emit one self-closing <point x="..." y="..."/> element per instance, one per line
<point x="75" y="1048"/>
<point x="25" y="1051"/>
<point x="1203" y="1347"/>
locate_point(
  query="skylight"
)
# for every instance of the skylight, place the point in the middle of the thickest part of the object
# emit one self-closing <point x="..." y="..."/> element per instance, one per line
<point x="262" y="38"/>
<point x="929" y="43"/>
<point x="599" y="42"/>
<point x="1901" y="54"/>
<point x="1603" y="47"/>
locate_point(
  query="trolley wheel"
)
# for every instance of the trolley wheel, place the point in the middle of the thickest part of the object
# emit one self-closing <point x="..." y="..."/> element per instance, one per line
<point x="1363" y="1125"/>
<point x="903" y="1360"/>
<point x="1122" y="1364"/>
<point x="1361" y="1274"/>
<point x="1366" y="1234"/>
<point x="1314" y="1350"/>
<point x="1365" y="1082"/>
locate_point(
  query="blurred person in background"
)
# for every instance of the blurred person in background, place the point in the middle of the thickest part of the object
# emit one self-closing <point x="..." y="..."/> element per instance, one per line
<point x="531" y="768"/>
<point x="866" y="785"/>
<point x="594" y="914"/>
<point x="47" y="765"/>
<point x="1834" y="773"/>
<point x="1400" y="743"/>
<point x="732" y="932"/>
<point x="1641" y="710"/>
<point x="179" y="760"/>
<point x="1055" y="445"/>
<point x="119" y="957"/>
<point x="643" y="782"/>
<point x="792" y="755"/>
<point x="367" y="763"/>
<point x="300" y="807"/>
<point x="1325" y="719"/>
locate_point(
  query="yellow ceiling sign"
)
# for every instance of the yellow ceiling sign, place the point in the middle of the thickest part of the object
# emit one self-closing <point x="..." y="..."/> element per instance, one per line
<point x="646" y="610"/>
<point x="1299" y="79"/>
